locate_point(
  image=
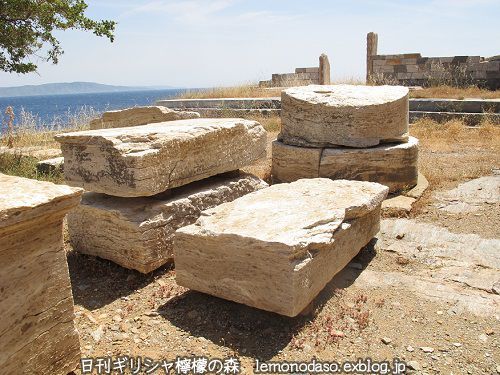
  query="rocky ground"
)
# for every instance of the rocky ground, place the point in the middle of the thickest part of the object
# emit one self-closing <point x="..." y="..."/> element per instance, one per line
<point x="425" y="291"/>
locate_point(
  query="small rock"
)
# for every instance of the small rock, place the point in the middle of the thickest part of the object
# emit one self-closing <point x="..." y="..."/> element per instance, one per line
<point x="483" y="338"/>
<point x="151" y="313"/>
<point x="97" y="334"/>
<point x="410" y="348"/>
<point x="439" y="312"/>
<point x="90" y="317"/>
<point x="414" y="365"/>
<point x="457" y="344"/>
<point x="496" y="288"/>
<point x="400" y="236"/>
<point x="386" y="340"/>
<point x="498" y="369"/>
<point x="88" y="347"/>
<point x="489" y="332"/>
<point x="103" y="316"/>
<point x="434" y="357"/>
<point x="427" y="349"/>
<point x="117" y="318"/>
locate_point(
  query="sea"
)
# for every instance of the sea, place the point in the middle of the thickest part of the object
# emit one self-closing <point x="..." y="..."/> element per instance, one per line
<point x="60" y="111"/>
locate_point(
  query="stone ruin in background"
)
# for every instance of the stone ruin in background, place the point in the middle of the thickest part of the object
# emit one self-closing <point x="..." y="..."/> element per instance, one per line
<point x="302" y="76"/>
<point x="411" y="69"/>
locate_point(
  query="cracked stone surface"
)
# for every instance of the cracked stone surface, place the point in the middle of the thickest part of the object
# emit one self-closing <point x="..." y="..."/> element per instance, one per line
<point x="393" y="165"/>
<point x="470" y="195"/>
<point x="138" y="233"/>
<point x="149" y="159"/>
<point x="37" y="330"/>
<point x="344" y="115"/>
<point x="267" y="251"/>
<point x="139" y="116"/>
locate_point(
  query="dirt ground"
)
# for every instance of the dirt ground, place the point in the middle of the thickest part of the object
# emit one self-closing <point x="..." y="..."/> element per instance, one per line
<point x="122" y="312"/>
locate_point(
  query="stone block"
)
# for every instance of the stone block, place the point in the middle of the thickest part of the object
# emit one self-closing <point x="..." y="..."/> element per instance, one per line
<point x="139" y="116"/>
<point x="412" y="68"/>
<point x="291" y="163"/>
<point x="149" y="159"/>
<point x="50" y="165"/>
<point x="137" y="233"/>
<point x="277" y="248"/>
<point x="344" y="115"/>
<point x="393" y="165"/>
<point x="37" y="331"/>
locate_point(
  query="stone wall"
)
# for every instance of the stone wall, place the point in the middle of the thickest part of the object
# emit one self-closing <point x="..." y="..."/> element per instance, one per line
<point x="302" y="76"/>
<point x="411" y="69"/>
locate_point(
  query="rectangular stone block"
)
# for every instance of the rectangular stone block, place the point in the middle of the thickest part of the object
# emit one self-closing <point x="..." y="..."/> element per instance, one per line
<point x="139" y="116"/>
<point x="137" y="233"/>
<point x="393" y="165"/>
<point x="277" y="248"/>
<point x="37" y="331"/>
<point x="292" y="163"/>
<point x="149" y="159"/>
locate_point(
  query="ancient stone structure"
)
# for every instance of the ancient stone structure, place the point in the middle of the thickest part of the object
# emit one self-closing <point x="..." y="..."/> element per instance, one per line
<point x="138" y="233"/>
<point x="139" y="116"/>
<point x="37" y="332"/>
<point x="344" y="115"/>
<point x="318" y="122"/>
<point x="411" y="69"/>
<point x="278" y="254"/>
<point x="394" y="165"/>
<point x="149" y="159"/>
<point x="147" y="181"/>
<point x="302" y="76"/>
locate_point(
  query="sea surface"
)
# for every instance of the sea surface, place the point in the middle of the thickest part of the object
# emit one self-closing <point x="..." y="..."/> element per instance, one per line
<point x="60" y="111"/>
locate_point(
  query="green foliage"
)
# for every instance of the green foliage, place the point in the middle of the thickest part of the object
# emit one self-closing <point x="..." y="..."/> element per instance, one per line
<point x="25" y="166"/>
<point x="27" y="27"/>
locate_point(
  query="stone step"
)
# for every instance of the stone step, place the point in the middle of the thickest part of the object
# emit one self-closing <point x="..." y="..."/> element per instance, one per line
<point x="470" y="119"/>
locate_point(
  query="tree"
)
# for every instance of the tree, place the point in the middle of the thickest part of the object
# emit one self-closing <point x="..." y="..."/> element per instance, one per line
<point x="27" y="27"/>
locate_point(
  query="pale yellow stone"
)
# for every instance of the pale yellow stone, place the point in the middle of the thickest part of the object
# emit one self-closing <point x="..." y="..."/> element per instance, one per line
<point x="276" y="248"/>
<point x="344" y="115"/>
<point x="137" y="233"/>
<point x="291" y="163"/>
<point x="37" y="331"/>
<point x="139" y="116"/>
<point x="149" y="159"/>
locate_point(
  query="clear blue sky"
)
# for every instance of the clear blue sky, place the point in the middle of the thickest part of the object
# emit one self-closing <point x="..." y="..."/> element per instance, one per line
<point x="200" y="43"/>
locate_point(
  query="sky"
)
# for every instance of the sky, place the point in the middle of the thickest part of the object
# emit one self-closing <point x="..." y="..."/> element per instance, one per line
<point x="207" y="43"/>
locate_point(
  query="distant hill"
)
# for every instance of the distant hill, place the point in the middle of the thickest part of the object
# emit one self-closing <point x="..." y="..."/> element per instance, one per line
<point x="70" y="88"/>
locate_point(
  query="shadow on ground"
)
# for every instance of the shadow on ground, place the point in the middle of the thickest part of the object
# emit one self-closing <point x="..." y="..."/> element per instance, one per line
<point x="246" y="330"/>
<point x="97" y="282"/>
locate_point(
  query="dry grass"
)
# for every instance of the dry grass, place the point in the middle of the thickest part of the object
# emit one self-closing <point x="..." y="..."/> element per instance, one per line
<point x="453" y="152"/>
<point x="252" y="91"/>
<point x="450" y="92"/>
<point x="29" y="131"/>
<point x="244" y="91"/>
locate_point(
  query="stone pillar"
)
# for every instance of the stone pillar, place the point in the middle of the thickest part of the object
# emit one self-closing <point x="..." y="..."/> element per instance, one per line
<point x="324" y="70"/>
<point x="36" y="304"/>
<point x="371" y="50"/>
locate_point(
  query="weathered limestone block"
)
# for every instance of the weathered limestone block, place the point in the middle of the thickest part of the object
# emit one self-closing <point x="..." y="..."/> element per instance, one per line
<point x="50" y="165"/>
<point x="139" y="116"/>
<point x="277" y="248"/>
<point x="37" y="332"/>
<point x="344" y="115"/>
<point x="291" y="163"/>
<point x="393" y="165"/>
<point x="149" y="159"/>
<point x="137" y="233"/>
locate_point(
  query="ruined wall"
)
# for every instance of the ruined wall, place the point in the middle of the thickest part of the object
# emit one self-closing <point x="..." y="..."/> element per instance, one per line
<point x="412" y="69"/>
<point x="302" y="76"/>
